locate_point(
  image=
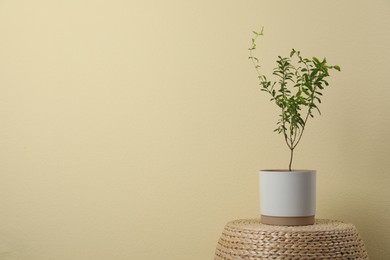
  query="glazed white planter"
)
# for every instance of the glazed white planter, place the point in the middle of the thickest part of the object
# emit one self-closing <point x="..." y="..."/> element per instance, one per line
<point x="287" y="197"/>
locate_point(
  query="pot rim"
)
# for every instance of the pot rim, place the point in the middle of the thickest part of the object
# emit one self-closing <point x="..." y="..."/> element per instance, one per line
<point x="288" y="171"/>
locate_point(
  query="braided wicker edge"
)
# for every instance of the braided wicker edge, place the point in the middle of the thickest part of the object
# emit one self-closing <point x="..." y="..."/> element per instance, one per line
<point x="327" y="239"/>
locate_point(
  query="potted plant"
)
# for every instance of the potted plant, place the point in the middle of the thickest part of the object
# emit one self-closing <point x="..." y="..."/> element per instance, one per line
<point x="288" y="197"/>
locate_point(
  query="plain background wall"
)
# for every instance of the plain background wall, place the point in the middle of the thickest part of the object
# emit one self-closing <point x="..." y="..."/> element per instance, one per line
<point x="135" y="129"/>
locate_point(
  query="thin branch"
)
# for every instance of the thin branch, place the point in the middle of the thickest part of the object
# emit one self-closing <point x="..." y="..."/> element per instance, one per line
<point x="291" y="159"/>
<point x="307" y="115"/>
<point x="295" y="134"/>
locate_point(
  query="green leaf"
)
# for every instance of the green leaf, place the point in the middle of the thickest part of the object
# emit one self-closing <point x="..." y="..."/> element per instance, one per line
<point x="326" y="82"/>
<point x="292" y="53"/>
<point x="336" y="67"/>
<point x="316" y="61"/>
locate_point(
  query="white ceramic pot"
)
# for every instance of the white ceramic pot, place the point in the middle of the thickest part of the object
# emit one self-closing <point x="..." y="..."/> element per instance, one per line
<point x="287" y="198"/>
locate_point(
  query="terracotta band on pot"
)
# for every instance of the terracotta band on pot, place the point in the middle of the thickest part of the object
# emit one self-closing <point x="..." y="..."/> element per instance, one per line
<point x="287" y="221"/>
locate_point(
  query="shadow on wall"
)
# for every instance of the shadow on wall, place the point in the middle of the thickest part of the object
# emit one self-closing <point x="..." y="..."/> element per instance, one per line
<point x="373" y="227"/>
<point x="365" y="200"/>
<point x="7" y="248"/>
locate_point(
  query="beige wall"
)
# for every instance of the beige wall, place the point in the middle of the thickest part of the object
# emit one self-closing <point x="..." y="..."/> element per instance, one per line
<point x="135" y="129"/>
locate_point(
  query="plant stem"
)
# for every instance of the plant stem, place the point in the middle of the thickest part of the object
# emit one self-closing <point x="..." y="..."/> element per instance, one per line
<point x="291" y="158"/>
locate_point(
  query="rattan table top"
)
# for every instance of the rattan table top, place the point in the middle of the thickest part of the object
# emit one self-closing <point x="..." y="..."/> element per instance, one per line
<point x="326" y="239"/>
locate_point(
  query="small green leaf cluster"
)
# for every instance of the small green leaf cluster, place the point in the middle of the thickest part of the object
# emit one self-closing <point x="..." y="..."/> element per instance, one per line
<point x="297" y="91"/>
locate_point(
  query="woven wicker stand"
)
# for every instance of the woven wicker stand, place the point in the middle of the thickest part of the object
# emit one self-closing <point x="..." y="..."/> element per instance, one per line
<point x="326" y="239"/>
